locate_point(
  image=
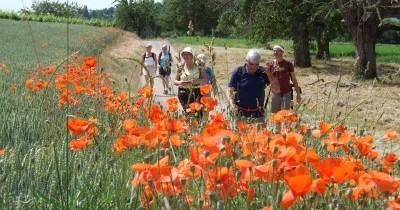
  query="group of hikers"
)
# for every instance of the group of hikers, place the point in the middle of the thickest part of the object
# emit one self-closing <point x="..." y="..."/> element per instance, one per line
<point x="247" y="83"/>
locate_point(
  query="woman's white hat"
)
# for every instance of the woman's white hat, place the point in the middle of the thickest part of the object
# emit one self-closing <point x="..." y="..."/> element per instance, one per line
<point x="202" y="58"/>
<point x="187" y="50"/>
<point x="148" y="45"/>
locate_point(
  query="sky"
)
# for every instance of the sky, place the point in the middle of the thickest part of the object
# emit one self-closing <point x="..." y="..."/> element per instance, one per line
<point x="16" y="5"/>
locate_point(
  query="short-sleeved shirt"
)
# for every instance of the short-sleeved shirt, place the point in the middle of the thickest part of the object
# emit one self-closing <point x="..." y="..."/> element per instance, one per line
<point x="209" y="74"/>
<point x="249" y="87"/>
<point x="281" y="71"/>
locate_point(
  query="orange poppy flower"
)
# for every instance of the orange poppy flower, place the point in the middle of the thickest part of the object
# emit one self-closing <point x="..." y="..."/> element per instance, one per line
<point x="389" y="160"/>
<point x="209" y="103"/>
<point x="205" y="89"/>
<point x="194" y="107"/>
<point x="176" y="140"/>
<point x="391" y="135"/>
<point x="384" y="182"/>
<point x="90" y="61"/>
<point x="288" y="199"/>
<point x="394" y="203"/>
<point x="2" y="151"/>
<point x="78" y="126"/>
<point x="324" y="127"/>
<point x="172" y="104"/>
<point x="334" y="169"/>
<point x="79" y="144"/>
<point x="146" y="91"/>
<point x="44" y="44"/>
<point x="174" y="125"/>
<point x="129" y="124"/>
<point x="12" y="88"/>
<point x="299" y="180"/>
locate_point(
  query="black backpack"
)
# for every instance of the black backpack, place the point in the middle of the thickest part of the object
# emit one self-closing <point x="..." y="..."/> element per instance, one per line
<point x="152" y="55"/>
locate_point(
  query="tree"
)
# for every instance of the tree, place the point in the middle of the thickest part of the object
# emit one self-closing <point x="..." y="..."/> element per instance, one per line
<point x="56" y="8"/>
<point x="139" y="16"/>
<point x="365" y="20"/>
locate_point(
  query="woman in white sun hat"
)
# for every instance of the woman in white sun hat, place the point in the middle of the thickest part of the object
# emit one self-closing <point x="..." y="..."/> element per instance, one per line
<point x="188" y="78"/>
<point x="149" y="59"/>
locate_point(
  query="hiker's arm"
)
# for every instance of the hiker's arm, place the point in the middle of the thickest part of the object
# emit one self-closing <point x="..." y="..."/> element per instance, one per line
<point x="296" y="86"/>
<point x="156" y="63"/>
<point x="231" y="97"/>
<point x="178" y="82"/>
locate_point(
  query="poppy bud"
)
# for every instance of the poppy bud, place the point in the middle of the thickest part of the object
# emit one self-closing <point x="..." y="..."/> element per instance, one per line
<point x="213" y="196"/>
<point x="201" y="203"/>
<point x="275" y="150"/>
<point x="207" y="153"/>
<point x="349" y="192"/>
<point x="220" y="205"/>
<point x="228" y="164"/>
<point x="183" y="181"/>
<point x="284" y="135"/>
<point x="269" y="139"/>
<point x="192" y="168"/>
<point x="150" y="182"/>
<point x="238" y="174"/>
<point x="338" y="135"/>
<point x="226" y="140"/>
<point x="274" y="162"/>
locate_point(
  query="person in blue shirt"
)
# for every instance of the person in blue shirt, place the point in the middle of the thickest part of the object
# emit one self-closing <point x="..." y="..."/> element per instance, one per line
<point x="201" y="62"/>
<point x="164" y="61"/>
<point x="246" y="88"/>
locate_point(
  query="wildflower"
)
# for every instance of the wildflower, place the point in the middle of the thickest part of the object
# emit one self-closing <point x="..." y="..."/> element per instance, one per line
<point x="205" y="89"/>
<point x="90" y="61"/>
<point x="78" y="126"/>
<point x="12" y="88"/>
<point x="391" y="135"/>
<point x="79" y="144"/>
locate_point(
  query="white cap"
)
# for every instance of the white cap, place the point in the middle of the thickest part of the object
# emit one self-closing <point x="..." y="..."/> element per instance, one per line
<point x="149" y="45"/>
<point x="188" y="50"/>
<point x="279" y="47"/>
<point x="253" y="56"/>
<point x="164" y="46"/>
<point x="202" y="58"/>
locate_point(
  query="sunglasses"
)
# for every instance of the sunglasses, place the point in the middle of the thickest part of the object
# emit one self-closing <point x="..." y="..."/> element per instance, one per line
<point x="253" y="64"/>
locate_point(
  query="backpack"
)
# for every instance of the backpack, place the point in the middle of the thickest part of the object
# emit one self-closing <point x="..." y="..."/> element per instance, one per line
<point x="152" y="55"/>
<point x="159" y="57"/>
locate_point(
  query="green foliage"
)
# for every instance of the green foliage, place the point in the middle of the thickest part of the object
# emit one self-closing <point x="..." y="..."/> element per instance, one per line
<point x="219" y="42"/>
<point x="138" y="16"/>
<point x="55" y="8"/>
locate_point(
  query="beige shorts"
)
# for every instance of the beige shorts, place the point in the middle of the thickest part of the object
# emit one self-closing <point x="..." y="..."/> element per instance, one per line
<point x="151" y="69"/>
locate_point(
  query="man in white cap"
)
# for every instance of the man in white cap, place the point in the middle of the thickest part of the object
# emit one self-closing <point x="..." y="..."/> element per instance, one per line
<point x="149" y="59"/>
<point x="165" y="60"/>
<point x="280" y="73"/>
<point x="246" y="88"/>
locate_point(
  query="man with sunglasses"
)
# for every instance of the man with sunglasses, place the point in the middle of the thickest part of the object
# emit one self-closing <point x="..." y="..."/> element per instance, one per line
<point x="246" y="88"/>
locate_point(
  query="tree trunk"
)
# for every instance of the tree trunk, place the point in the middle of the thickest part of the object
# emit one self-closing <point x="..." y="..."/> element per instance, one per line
<point x="300" y="36"/>
<point x="322" y="45"/>
<point x="364" y="30"/>
<point x="300" y="43"/>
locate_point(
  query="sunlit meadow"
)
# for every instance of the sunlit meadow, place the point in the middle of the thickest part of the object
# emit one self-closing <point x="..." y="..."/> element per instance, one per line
<point x="70" y="140"/>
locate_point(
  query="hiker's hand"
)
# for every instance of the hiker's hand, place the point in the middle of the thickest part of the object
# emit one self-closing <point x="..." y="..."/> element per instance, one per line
<point x="268" y="65"/>
<point x="298" y="98"/>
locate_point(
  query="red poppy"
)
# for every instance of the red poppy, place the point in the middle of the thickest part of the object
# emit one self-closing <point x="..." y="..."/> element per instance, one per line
<point x="90" y="61"/>
<point x="79" y="144"/>
<point x="205" y="89"/>
<point x="78" y="126"/>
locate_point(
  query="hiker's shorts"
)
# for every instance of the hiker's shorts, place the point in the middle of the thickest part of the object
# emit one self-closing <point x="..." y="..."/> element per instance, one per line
<point x="151" y="69"/>
<point x="164" y="71"/>
<point x="279" y="102"/>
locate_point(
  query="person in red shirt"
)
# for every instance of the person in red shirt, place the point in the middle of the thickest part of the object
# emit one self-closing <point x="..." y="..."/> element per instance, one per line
<point x="280" y="72"/>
